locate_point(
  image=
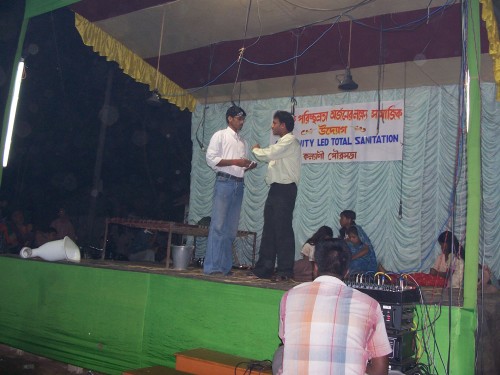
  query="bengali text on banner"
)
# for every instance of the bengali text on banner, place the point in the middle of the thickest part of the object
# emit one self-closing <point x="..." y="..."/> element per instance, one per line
<point x="351" y="132"/>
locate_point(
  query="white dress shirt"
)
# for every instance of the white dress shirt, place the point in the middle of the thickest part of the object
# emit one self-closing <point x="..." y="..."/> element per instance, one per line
<point x="226" y="144"/>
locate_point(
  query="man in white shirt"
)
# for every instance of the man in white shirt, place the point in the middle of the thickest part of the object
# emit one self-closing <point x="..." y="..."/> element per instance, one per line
<point x="227" y="156"/>
<point x="283" y="174"/>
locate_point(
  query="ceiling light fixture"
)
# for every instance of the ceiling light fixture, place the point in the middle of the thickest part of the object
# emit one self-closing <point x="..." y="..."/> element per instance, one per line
<point x="347" y="83"/>
<point x="155" y="98"/>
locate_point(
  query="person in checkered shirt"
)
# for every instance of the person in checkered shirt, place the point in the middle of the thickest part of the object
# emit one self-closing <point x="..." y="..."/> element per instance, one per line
<point x="327" y="327"/>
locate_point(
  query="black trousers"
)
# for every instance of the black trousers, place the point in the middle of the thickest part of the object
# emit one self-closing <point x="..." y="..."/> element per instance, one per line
<point x="278" y="239"/>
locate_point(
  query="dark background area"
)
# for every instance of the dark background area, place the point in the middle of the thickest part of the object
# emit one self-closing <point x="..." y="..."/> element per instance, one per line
<point x="147" y="153"/>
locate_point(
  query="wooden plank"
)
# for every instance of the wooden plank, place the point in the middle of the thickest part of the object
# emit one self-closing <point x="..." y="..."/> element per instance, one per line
<point x="209" y="362"/>
<point x="155" y="370"/>
<point x="170" y="228"/>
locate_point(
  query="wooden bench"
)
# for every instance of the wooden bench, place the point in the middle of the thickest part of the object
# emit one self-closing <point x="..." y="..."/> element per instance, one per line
<point x="209" y="362"/>
<point x="155" y="370"/>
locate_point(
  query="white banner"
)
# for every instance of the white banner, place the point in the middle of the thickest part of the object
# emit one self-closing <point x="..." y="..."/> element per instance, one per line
<point x="351" y="132"/>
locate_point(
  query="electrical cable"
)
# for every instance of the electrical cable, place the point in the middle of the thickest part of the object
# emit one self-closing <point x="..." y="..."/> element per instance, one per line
<point x="294" y="81"/>
<point x="58" y="58"/>
<point x="323" y="9"/>
<point x="380" y="75"/>
<point x="413" y="24"/>
<point x="253" y="366"/>
<point x="202" y="121"/>
<point x="159" y="48"/>
<point x="336" y="19"/>
<point x="240" y="56"/>
<point x="260" y="26"/>
<point x="481" y="319"/>
<point x="400" y="211"/>
<point x="300" y="55"/>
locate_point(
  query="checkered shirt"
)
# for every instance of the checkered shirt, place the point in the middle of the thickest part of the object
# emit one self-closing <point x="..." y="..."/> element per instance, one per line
<point x="330" y="328"/>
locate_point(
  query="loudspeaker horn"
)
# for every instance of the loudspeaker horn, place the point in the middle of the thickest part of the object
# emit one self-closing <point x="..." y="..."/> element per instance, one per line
<point x="347" y="83"/>
<point x="64" y="249"/>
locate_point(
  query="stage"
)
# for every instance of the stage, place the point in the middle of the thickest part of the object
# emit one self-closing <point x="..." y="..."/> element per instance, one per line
<point x="110" y="316"/>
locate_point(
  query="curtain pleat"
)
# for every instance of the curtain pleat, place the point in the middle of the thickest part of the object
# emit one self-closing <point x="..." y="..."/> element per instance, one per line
<point x="423" y="183"/>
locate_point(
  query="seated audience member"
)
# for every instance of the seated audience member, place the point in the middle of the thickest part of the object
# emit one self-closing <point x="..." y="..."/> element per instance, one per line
<point x="20" y="233"/>
<point x="449" y="264"/>
<point x="44" y="236"/>
<point x="303" y="268"/>
<point x="363" y="256"/>
<point x="63" y="225"/>
<point x="6" y="242"/>
<point x="347" y="220"/>
<point x="143" y="247"/>
<point x="486" y="280"/>
<point x="327" y="327"/>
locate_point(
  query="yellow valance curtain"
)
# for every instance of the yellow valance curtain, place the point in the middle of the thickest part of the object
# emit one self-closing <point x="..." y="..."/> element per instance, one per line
<point x="488" y="16"/>
<point x="132" y="64"/>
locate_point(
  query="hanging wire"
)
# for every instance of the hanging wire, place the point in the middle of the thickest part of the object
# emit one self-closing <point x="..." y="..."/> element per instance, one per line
<point x="403" y="27"/>
<point x="294" y="81"/>
<point x="58" y="58"/>
<point x="159" y="48"/>
<point x="349" y="50"/>
<point x="364" y="2"/>
<point x="400" y="212"/>
<point x="380" y="74"/>
<point x="240" y="57"/>
<point x="202" y="122"/>
<point x="260" y="26"/>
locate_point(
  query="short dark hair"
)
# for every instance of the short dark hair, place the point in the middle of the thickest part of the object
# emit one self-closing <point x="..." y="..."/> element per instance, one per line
<point x="322" y="233"/>
<point x="352" y="230"/>
<point x="349" y="214"/>
<point x="286" y="118"/>
<point x="452" y="243"/>
<point x="235" y="111"/>
<point x="333" y="257"/>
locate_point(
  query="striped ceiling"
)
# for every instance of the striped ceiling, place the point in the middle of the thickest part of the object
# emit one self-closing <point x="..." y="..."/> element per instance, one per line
<point x="393" y="43"/>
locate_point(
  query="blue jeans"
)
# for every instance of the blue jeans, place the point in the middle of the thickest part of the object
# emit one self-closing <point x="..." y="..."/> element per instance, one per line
<point x="228" y="195"/>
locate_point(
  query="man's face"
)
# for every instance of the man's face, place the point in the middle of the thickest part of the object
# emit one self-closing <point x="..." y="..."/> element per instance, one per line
<point x="277" y="127"/>
<point x="444" y="247"/>
<point x="236" y="122"/>
<point x="344" y="222"/>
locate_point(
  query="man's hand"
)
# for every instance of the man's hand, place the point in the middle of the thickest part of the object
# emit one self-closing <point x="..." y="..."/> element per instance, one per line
<point x="243" y="162"/>
<point x="378" y="366"/>
<point x="253" y="164"/>
<point x="255" y="146"/>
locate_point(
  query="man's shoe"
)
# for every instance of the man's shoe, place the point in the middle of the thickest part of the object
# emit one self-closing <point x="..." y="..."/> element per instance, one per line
<point x="254" y="275"/>
<point x="280" y="278"/>
<point x="215" y="273"/>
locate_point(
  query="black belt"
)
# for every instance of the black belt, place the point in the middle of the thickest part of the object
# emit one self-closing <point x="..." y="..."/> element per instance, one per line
<point x="229" y="176"/>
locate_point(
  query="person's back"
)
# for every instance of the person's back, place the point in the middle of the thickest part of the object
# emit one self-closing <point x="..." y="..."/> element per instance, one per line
<point x="329" y="328"/>
<point x="334" y="341"/>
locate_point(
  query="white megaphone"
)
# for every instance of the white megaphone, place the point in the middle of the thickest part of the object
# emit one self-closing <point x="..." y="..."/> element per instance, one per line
<point x="64" y="249"/>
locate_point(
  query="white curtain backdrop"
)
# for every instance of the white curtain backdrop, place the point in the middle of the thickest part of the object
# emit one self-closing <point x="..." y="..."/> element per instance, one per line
<point x="423" y="183"/>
